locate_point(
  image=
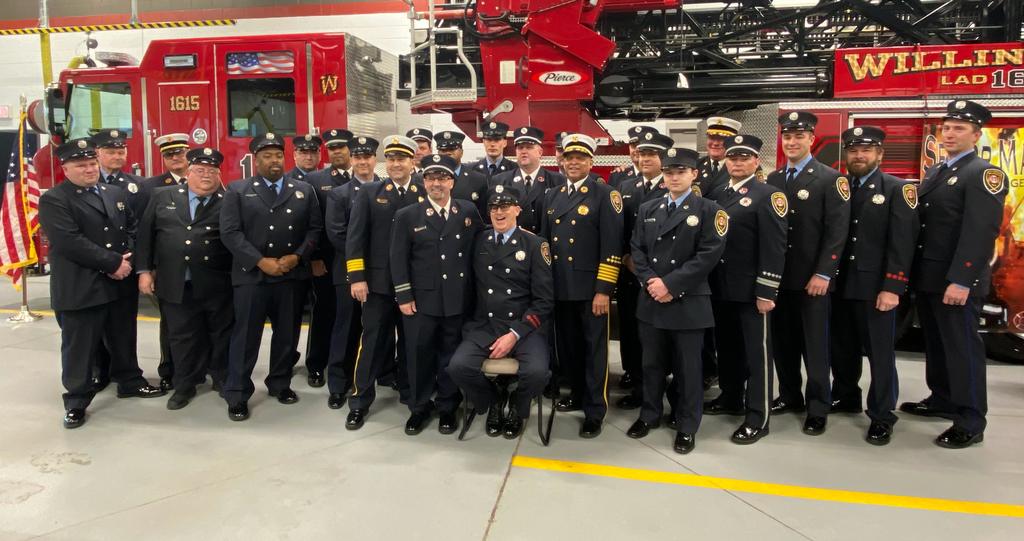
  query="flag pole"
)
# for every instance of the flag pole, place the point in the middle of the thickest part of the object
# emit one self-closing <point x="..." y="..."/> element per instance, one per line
<point x="25" y="315"/>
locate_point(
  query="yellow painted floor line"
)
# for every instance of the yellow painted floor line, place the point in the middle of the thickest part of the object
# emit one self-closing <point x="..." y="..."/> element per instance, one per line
<point x="49" y="313"/>
<point x="772" y="489"/>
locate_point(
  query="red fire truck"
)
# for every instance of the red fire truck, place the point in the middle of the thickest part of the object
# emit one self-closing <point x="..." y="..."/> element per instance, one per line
<point x="222" y="92"/>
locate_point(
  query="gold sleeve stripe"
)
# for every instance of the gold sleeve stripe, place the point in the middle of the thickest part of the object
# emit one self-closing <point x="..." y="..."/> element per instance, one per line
<point x="354" y="265"/>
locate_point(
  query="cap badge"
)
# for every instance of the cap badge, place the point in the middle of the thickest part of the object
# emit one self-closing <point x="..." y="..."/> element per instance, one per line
<point x="437" y="159"/>
<point x="447" y="135"/>
<point x="961" y="104"/>
<point x="270" y="137"/>
<point x="648" y="136"/>
<point x="308" y="137"/>
<point x="416" y="131"/>
<point x="115" y="133"/>
<point x="499" y="188"/>
<point x="858" y="131"/>
<point x="493" y="125"/>
<point x="82" y="144"/>
<point x="738" y="139"/>
<point x="362" y="140"/>
<point x="794" y="115"/>
<point x="671" y="153"/>
<point x="394" y="140"/>
<point x="523" y="131"/>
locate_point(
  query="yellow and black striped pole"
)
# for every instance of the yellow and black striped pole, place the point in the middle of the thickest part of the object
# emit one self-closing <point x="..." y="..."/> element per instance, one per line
<point x="116" y="26"/>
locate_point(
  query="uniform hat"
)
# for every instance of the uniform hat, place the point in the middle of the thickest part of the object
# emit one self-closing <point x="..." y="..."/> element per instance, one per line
<point x="400" y="144"/>
<point x="267" y="140"/>
<point x="363" y="146"/>
<point x="106" y="138"/>
<point x="337" y="137"/>
<point x="969" y="111"/>
<point x="636" y="133"/>
<point x="577" y="142"/>
<point x="494" y="130"/>
<point x="172" y="143"/>
<point x="448" y="139"/>
<point x="77" y="149"/>
<point x="679" y="157"/>
<point x="433" y="163"/>
<point x="863" y="135"/>
<point x="558" y="139"/>
<point x="307" y="142"/>
<point x="420" y="134"/>
<point x="722" y="127"/>
<point x="504" y="197"/>
<point x="528" y="134"/>
<point x="205" y="156"/>
<point x="743" y="145"/>
<point x="798" y="121"/>
<point x="654" y="141"/>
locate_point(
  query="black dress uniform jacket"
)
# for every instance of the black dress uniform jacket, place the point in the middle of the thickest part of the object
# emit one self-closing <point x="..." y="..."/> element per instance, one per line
<point x="633" y="196"/>
<point x="617" y="178"/>
<point x="471" y="186"/>
<point x="514" y="287"/>
<point x="431" y="257"/>
<point x="88" y="234"/>
<point x="255" y="223"/>
<point x="135" y="185"/>
<point x="171" y="241"/>
<point x="531" y="204"/>
<point x="681" y="247"/>
<point x="585" y="231"/>
<point x="709" y="183"/>
<point x="298" y="174"/>
<point x="819" y="218"/>
<point x="755" y="254"/>
<point x="369" y="233"/>
<point x="883" y="228"/>
<point x="503" y="165"/>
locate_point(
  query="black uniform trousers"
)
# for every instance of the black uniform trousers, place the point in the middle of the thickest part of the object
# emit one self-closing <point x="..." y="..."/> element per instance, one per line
<point x="800" y="328"/>
<point x="165" y="369"/>
<point x="376" y="357"/>
<point x="954" y="359"/>
<point x="678" y="352"/>
<point x="745" y="371"/>
<point x="282" y="303"/>
<point x="532" y="353"/>
<point x="344" y="341"/>
<point x="581" y="340"/>
<point x="199" y="332"/>
<point x="630" y="348"/>
<point x="321" y="322"/>
<point x="82" y="332"/>
<point x="431" y="341"/>
<point x="857" y="329"/>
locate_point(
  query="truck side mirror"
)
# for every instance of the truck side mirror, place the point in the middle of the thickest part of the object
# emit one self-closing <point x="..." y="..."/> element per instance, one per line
<point x="56" y="112"/>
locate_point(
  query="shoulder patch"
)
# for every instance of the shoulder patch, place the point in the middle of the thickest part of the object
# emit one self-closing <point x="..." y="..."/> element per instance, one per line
<point x="721" y="222"/>
<point x="843" y="187"/>
<point x="994" y="179"/>
<point x="696" y="190"/>
<point x="910" y="195"/>
<point x="780" y="204"/>
<point x="545" y="252"/>
<point x="616" y="198"/>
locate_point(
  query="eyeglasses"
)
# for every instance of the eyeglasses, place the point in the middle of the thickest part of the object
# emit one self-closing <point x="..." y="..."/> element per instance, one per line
<point x="206" y="171"/>
<point x="502" y="207"/>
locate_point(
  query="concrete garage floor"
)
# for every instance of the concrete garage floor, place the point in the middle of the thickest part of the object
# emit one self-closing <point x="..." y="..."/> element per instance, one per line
<point x="139" y="471"/>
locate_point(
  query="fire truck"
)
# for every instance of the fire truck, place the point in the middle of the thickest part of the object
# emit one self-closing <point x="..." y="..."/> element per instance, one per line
<point x="221" y="91"/>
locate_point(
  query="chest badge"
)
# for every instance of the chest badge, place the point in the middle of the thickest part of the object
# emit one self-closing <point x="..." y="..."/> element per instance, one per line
<point x="133" y="188"/>
<point x="469" y="222"/>
<point x="746" y="201"/>
<point x="692" y="220"/>
<point x="878" y="199"/>
<point x="582" y="210"/>
<point x="520" y="255"/>
<point x="951" y="181"/>
<point x="803" y="195"/>
<point x="382" y="200"/>
<point x="300" y="195"/>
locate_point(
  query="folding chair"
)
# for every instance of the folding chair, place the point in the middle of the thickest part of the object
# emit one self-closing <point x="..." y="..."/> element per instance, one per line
<point x="509" y="367"/>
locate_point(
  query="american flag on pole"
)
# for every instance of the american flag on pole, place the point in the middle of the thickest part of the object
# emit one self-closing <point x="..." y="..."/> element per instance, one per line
<point x="19" y="214"/>
<point x="258" y="63"/>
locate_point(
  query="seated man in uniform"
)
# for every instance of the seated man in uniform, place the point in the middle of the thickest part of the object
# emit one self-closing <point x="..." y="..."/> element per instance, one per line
<point x="512" y="270"/>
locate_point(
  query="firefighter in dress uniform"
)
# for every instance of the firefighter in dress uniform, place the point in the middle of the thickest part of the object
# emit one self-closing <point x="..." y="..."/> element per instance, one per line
<point x="583" y="220"/>
<point x="182" y="261"/>
<point x="961" y="209"/>
<point x="92" y="288"/>
<point x="512" y="272"/>
<point x="676" y="242"/>
<point x="470" y="184"/>
<point x="431" y="266"/>
<point x="306" y="155"/>
<point x="744" y="287"/>
<point x="635" y="135"/>
<point x="529" y="180"/>
<point x="424" y="143"/>
<point x="271" y="226"/>
<point x="494" y="136"/>
<point x="819" y="218"/>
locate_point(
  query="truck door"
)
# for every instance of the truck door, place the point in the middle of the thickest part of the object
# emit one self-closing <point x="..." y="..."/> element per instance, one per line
<point x="184" y="107"/>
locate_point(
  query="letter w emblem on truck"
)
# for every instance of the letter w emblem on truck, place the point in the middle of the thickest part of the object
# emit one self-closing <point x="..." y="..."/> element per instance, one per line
<point x="328" y="84"/>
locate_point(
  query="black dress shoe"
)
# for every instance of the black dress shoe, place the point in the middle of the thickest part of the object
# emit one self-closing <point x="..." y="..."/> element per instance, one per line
<point x="628" y="402"/>
<point x="447" y="423"/>
<point x="98" y="384"/>
<point x="513" y="425"/>
<point x="143" y="391"/>
<point x="721" y="407"/>
<point x="336" y="401"/>
<point x="74" y="418"/>
<point x="416" y="423"/>
<point x="684" y="443"/>
<point x="710" y="382"/>
<point x="591" y="428"/>
<point x="567" y="403"/>
<point x="495" y="420"/>
<point x="780" y="405"/>
<point x="879" y="433"/>
<point x="924" y="409"/>
<point x="639" y="429"/>
<point x="846" y="406"/>
<point x="815" y="426"/>
<point x="238" y="412"/>
<point x="626" y="381"/>
<point x="167" y="384"/>
<point x="958" y="438"/>
<point x="286" y="396"/>
<point x="355" y="419"/>
<point x="315" y="378"/>
<point x="181" y="398"/>
<point x="747" y="434"/>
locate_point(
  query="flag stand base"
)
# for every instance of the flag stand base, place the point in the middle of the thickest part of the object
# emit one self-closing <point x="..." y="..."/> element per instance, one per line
<point x="24" y="316"/>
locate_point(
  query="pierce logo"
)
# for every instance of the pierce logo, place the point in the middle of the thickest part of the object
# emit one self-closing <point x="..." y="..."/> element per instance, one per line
<point x="559" y="78"/>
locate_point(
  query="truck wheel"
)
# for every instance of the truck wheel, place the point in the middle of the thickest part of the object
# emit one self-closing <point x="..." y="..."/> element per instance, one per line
<point x="1004" y="347"/>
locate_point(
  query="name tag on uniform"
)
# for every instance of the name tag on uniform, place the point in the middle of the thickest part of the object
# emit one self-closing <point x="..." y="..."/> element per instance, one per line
<point x="382" y="200"/>
<point x="171" y="207"/>
<point x="649" y="220"/>
<point x="418" y="229"/>
<point x="252" y="195"/>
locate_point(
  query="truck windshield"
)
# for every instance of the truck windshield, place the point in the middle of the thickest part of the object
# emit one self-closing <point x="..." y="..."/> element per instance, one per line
<point x="96" y="106"/>
<point x="258" y="106"/>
